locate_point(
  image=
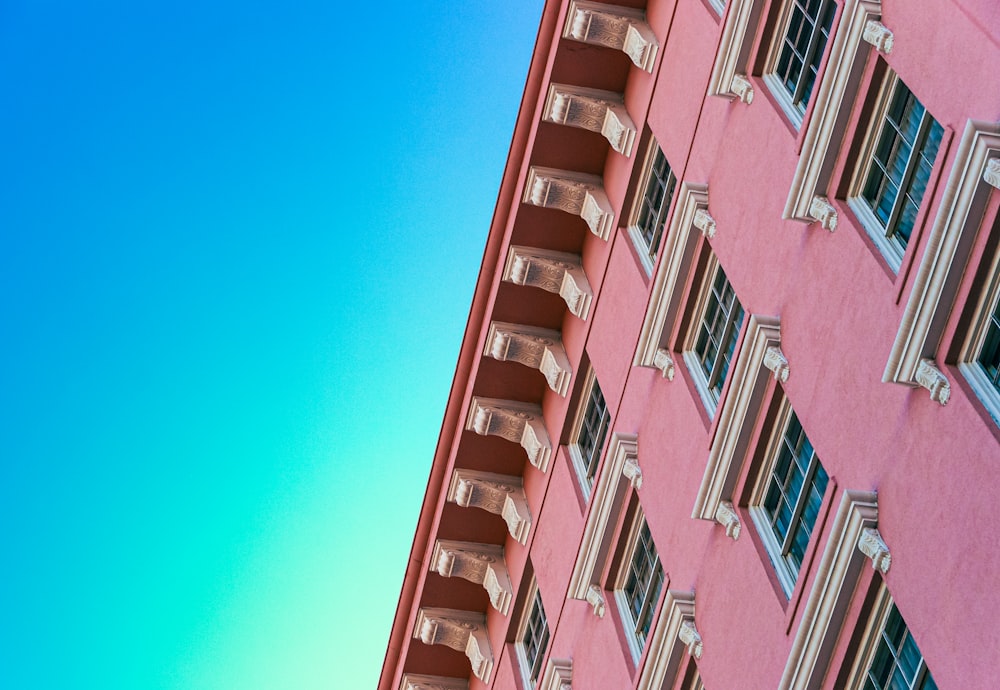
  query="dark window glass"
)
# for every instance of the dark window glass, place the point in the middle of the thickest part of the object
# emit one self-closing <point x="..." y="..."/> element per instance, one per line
<point x="898" y="663"/>
<point x="655" y="203"/>
<point x="643" y="583"/>
<point x="802" y="48"/>
<point x="718" y="332"/>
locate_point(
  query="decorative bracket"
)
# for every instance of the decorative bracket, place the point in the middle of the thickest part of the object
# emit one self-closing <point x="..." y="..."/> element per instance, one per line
<point x="594" y="110"/>
<point x="822" y="210"/>
<point x="931" y="378"/>
<point x="691" y="638"/>
<point x="538" y="348"/>
<point x="499" y="494"/>
<point x="413" y="681"/>
<point x="555" y="272"/>
<point x="482" y="564"/>
<point x="611" y="26"/>
<point x="579" y="194"/>
<point x="704" y="222"/>
<point x="774" y="359"/>
<point x="742" y="87"/>
<point x="514" y="421"/>
<point x="726" y="516"/>
<point x="991" y="174"/>
<point x="595" y="597"/>
<point x="558" y="675"/>
<point x="878" y="35"/>
<point x="463" y="631"/>
<point x="871" y="544"/>
<point x="632" y="471"/>
<point x="675" y="627"/>
<point x="664" y="362"/>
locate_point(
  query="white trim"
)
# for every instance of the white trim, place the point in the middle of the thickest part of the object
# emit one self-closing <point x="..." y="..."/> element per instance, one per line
<point x="416" y="681"/>
<point x="558" y="675"/>
<point x="663" y="660"/>
<point x="734" y="46"/>
<point x="524" y="665"/>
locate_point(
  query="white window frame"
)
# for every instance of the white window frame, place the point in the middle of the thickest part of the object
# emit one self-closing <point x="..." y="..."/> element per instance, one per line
<point x="972" y="347"/>
<point x="580" y="463"/>
<point x="631" y="625"/>
<point x="531" y="669"/>
<point x="647" y="254"/>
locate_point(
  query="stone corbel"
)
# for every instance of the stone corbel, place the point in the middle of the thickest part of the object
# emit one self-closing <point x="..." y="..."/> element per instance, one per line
<point x="499" y="494"/>
<point x="878" y="35"/>
<point x="742" y="87"/>
<point x="579" y="194"/>
<point x="482" y="564"/>
<point x="726" y="516"/>
<point x="555" y="272"/>
<point x="414" y="681"/>
<point x="871" y="544"/>
<point x="632" y="472"/>
<point x="595" y="597"/>
<point x="538" y="348"/>
<point x="691" y="638"/>
<point x="620" y="28"/>
<point x="991" y="175"/>
<point x="558" y="675"/>
<point x="822" y="210"/>
<point x="594" y="110"/>
<point x="514" y="421"/>
<point x="665" y="363"/>
<point x="704" y="222"/>
<point x="775" y="360"/>
<point x="463" y="631"/>
<point x="931" y="378"/>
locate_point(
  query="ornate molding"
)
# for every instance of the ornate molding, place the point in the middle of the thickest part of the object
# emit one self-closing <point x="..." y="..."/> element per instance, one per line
<point x="931" y="378"/>
<point x="595" y="597"/>
<point x="665" y="363"/>
<point x="675" y="629"/>
<point x="558" y="675"/>
<point x="775" y="360"/>
<point x="729" y="71"/>
<point x="836" y="579"/>
<point x="948" y="245"/>
<point x="741" y="87"/>
<point x="482" y="564"/>
<point x="611" y="26"/>
<point x="514" y="421"/>
<point x="704" y="222"/>
<point x="871" y="544"/>
<point x="736" y="417"/>
<point x="605" y="508"/>
<point x="632" y="472"/>
<point x="594" y="110"/>
<point x="414" y="681"/>
<point x="822" y="210"/>
<point x="878" y="35"/>
<point x="835" y="92"/>
<point x="579" y="194"/>
<point x="463" y="631"/>
<point x="555" y="272"/>
<point x="500" y="494"/>
<point x="991" y="174"/>
<point x="726" y="516"/>
<point x="677" y="255"/>
<point x="538" y="348"/>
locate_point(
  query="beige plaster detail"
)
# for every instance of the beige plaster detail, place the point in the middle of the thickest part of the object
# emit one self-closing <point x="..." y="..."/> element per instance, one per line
<point x="595" y="597"/>
<point x="742" y="88"/>
<point x="871" y="544"/>
<point x="414" y="681"/>
<point x="704" y="222"/>
<point x="726" y="516"/>
<point x="878" y="35"/>
<point x="538" y="348"/>
<point x="500" y="494"/>
<point x="822" y="210"/>
<point x="558" y="675"/>
<point x="594" y="110"/>
<point x="666" y="644"/>
<point x="579" y="194"/>
<point x="775" y="360"/>
<point x="731" y="60"/>
<point x="931" y="378"/>
<point x="632" y="472"/>
<point x="463" y="631"/>
<point x="556" y="272"/>
<point x="991" y="174"/>
<point x="482" y="564"/>
<point x="665" y="363"/>
<point x="605" y="508"/>
<point x="518" y="422"/>
<point x="611" y="26"/>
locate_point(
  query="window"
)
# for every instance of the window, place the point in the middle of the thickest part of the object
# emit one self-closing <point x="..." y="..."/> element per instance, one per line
<point x="897" y="161"/>
<point x="649" y="213"/>
<point x="712" y="342"/>
<point x="980" y="358"/>
<point x="532" y="637"/>
<point x="890" y="657"/>
<point x="788" y="496"/>
<point x="590" y="431"/>
<point x="795" y="59"/>
<point x="639" y="583"/>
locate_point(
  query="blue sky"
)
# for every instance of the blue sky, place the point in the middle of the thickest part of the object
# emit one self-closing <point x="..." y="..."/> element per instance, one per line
<point x="238" y="242"/>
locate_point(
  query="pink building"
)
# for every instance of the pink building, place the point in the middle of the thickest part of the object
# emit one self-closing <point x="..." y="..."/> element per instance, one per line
<point x="726" y="410"/>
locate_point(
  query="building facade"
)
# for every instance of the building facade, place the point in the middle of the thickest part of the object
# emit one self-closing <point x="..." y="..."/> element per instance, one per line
<point x="726" y="410"/>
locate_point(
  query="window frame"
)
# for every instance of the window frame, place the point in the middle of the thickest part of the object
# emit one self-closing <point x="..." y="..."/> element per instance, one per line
<point x="969" y="365"/>
<point x="884" y="236"/>
<point x="531" y="668"/>
<point x="648" y="251"/>
<point x="587" y="467"/>
<point x="639" y="631"/>
<point x="791" y="103"/>
<point x="778" y="551"/>
<point x="706" y="383"/>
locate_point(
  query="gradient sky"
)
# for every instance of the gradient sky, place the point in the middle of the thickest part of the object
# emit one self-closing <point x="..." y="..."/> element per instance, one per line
<point x="238" y="243"/>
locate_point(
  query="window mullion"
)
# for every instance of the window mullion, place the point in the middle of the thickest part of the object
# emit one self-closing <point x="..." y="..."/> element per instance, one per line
<point x="912" y="162"/>
<point x="720" y="355"/>
<point x="807" y="57"/>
